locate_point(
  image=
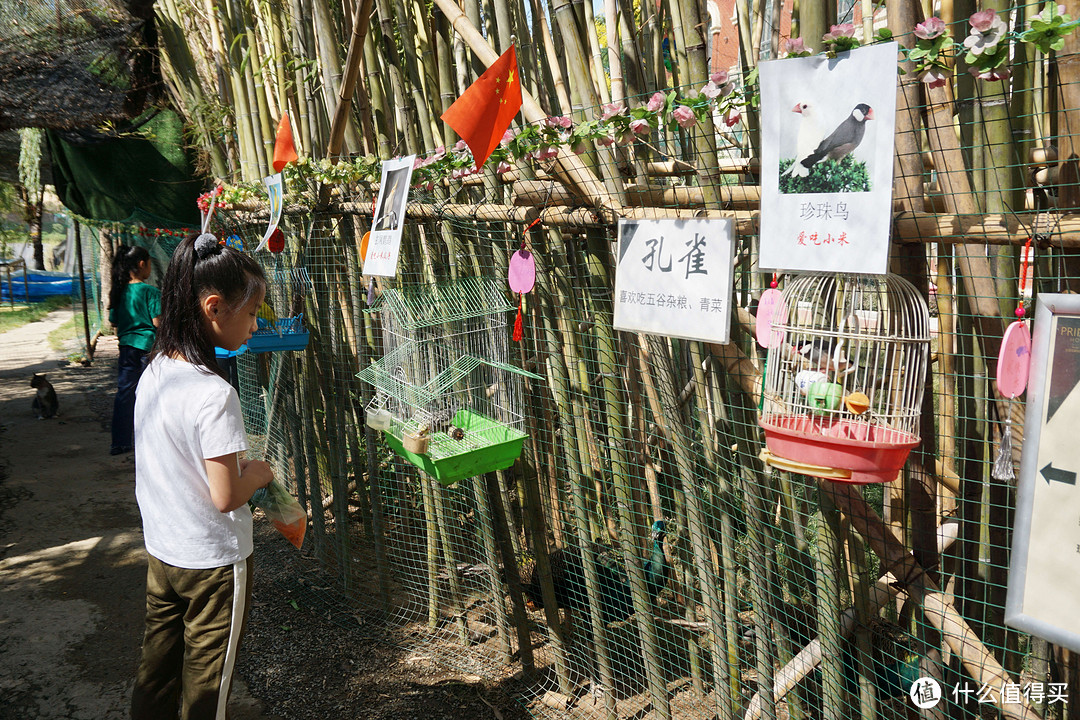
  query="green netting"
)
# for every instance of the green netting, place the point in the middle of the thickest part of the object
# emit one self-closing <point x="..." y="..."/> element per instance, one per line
<point x="140" y="177"/>
<point x="70" y="64"/>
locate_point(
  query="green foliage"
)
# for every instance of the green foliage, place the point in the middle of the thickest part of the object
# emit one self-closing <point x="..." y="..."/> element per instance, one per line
<point x="932" y="53"/>
<point x="30" y="160"/>
<point x="24" y="314"/>
<point x="1048" y="30"/>
<point x="828" y="176"/>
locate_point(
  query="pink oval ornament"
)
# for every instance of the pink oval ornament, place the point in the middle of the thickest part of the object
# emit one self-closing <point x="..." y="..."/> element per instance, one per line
<point x="770" y="306"/>
<point x="1014" y="360"/>
<point x="522" y="275"/>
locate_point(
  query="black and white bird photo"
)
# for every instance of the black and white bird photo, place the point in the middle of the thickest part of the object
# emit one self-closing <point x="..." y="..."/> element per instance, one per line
<point x="827" y="164"/>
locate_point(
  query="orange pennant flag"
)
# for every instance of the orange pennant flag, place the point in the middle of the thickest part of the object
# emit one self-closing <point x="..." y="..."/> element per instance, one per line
<point x="284" y="150"/>
<point x="483" y="112"/>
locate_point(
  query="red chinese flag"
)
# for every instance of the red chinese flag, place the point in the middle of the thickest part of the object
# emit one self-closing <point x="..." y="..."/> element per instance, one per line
<point x="483" y="112"/>
<point x="284" y="150"/>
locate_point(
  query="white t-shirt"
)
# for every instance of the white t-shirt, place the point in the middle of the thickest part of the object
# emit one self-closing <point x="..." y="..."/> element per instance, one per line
<point x="182" y="417"/>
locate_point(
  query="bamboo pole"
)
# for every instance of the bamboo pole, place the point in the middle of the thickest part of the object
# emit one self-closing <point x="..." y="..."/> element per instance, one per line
<point x="431" y="549"/>
<point x="449" y="557"/>
<point x="384" y="122"/>
<point x="833" y="696"/>
<point x="348" y="79"/>
<point x="503" y="532"/>
<point x="328" y="43"/>
<point x="255" y="72"/>
<point x="420" y="106"/>
<point x="491" y="557"/>
<point x="406" y="139"/>
<point x="612" y="20"/>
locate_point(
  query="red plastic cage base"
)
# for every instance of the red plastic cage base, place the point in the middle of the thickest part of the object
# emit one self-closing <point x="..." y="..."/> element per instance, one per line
<point x="873" y="453"/>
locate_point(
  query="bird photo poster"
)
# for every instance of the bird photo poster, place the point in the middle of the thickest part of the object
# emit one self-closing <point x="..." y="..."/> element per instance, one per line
<point x="674" y="278"/>
<point x="827" y="161"/>
<point x="386" y="226"/>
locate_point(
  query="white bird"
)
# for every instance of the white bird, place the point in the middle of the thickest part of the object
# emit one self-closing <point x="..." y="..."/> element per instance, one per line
<point x="810" y="135"/>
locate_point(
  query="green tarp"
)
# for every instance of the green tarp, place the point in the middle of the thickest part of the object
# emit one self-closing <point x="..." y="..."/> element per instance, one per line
<point x="140" y="175"/>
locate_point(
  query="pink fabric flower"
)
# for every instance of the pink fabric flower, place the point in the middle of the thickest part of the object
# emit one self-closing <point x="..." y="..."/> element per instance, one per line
<point x="841" y="30"/>
<point x="640" y="126"/>
<point x="930" y="28"/>
<point x="732" y="117"/>
<point x="627" y="138"/>
<point x="711" y="90"/>
<point x="560" y="121"/>
<point x="579" y="148"/>
<point x="507" y="137"/>
<point x="546" y="152"/>
<point x="987" y="30"/>
<point x="796" y="45"/>
<point x="418" y="162"/>
<point x="983" y="20"/>
<point x="656" y="102"/>
<point x="460" y="145"/>
<point x="503" y="167"/>
<point x="684" y="116"/>
<point x="605" y="141"/>
<point x="719" y="77"/>
<point x="934" y="78"/>
<point x="610" y="110"/>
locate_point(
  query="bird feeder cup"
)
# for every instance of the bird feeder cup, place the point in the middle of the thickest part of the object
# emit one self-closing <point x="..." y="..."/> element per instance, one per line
<point x="446" y="398"/>
<point x="844" y="384"/>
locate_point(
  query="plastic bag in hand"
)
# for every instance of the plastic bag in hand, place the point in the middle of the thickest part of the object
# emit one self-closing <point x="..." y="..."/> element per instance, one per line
<point x="283" y="510"/>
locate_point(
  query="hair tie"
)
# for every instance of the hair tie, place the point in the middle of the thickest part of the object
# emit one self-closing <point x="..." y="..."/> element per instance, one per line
<point x="206" y="245"/>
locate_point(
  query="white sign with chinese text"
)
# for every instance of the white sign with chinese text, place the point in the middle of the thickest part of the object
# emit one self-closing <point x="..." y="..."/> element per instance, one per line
<point x="827" y="161"/>
<point x="674" y="278"/>
<point x="1043" y="595"/>
<point x="385" y="240"/>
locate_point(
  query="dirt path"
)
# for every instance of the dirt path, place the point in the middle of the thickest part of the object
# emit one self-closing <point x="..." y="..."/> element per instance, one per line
<point x="72" y="564"/>
<point x="72" y="578"/>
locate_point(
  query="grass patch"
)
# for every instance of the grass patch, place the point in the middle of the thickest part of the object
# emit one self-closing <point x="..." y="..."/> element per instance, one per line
<point x="24" y="313"/>
<point x="71" y="329"/>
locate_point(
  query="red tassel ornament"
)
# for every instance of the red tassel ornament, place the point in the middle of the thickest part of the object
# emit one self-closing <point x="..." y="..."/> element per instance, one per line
<point x="517" y="323"/>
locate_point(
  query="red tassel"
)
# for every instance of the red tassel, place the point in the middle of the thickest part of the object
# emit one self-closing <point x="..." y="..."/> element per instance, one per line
<point x="517" y="323"/>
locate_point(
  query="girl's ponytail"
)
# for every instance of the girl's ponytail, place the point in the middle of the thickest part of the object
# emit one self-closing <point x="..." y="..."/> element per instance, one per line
<point x="125" y="261"/>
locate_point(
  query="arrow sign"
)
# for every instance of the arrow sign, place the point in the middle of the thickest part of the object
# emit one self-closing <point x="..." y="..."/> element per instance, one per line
<point x="1053" y="474"/>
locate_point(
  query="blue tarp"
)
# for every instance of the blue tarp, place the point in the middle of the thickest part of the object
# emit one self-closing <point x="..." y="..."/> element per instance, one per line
<point x="41" y="283"/>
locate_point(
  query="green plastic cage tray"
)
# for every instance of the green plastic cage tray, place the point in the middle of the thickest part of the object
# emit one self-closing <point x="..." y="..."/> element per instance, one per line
<point x="486" y="445"/>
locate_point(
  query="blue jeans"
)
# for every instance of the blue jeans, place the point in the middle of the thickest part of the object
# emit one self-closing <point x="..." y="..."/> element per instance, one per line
<point x="129" y="369"/>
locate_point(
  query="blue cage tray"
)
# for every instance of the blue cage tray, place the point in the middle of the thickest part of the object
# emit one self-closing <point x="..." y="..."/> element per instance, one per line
<point x="284" y="334"/>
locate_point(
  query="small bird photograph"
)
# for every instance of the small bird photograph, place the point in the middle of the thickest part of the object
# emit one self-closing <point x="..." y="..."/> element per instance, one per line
<point x="826" y="163"/>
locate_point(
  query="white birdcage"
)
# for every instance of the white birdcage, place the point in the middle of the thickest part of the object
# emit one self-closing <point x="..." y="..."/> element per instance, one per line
<point x="446" y="396"/>
<point x="844" y="376"/>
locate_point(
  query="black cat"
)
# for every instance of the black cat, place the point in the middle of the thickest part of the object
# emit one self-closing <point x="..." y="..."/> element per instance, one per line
<point x="45" y="403"/>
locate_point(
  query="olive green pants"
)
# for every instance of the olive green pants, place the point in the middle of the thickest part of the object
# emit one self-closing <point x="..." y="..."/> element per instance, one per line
<point x="194" y="621"/>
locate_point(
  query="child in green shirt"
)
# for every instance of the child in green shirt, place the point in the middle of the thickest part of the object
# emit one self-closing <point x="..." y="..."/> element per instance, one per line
<point x="134" y="310"/>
